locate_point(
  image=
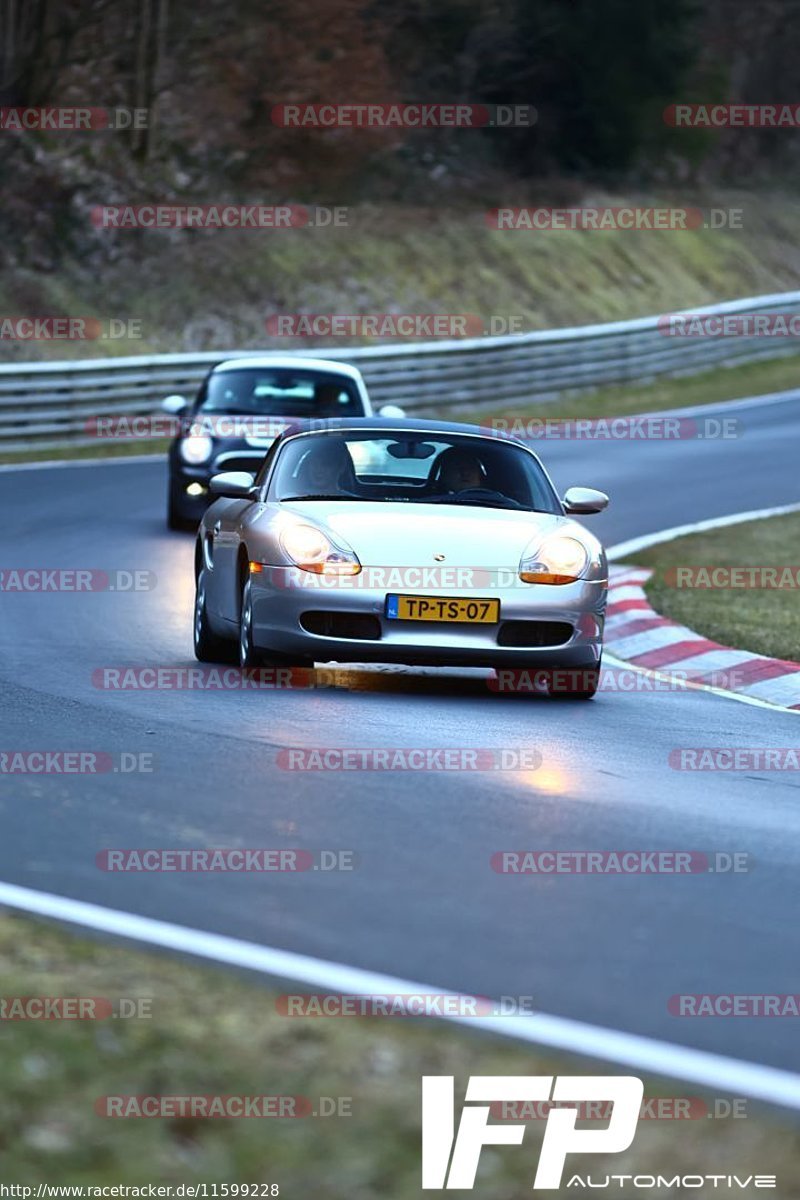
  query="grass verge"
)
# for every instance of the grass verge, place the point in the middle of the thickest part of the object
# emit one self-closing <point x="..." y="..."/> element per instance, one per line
<point x="399" y="258"/>
<point x="213" y="1033"/>
<point x="761" y="619"/>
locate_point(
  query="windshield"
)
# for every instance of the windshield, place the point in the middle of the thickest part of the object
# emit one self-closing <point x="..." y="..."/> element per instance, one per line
<point x="280" y="392"/>
<point x="408" y="467"/>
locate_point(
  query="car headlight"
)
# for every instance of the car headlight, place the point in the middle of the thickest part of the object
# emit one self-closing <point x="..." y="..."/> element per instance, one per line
<point x="312" y="550"/>
<point x="196" y="449"/>
<point x="558" y="559"/>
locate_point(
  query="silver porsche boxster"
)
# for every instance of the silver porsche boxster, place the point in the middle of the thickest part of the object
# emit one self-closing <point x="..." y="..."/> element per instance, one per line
<point x="400" y="541"/>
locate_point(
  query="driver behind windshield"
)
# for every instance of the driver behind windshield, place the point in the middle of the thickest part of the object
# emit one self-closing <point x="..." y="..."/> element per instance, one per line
<point x="327" y="469"/>
<point x="460" y="470"/>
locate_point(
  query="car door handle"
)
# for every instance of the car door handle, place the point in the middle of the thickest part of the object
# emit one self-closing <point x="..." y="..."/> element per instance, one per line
<point x="217" y="526"/>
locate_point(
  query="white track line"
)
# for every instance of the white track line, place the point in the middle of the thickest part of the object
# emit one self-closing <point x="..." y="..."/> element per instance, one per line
<point x="634" y="545"/>
<point x="61" y="463"/>
<point x="645" y="1054"/>
<point x="667" y="674"/>
<point x="762" y="401"/>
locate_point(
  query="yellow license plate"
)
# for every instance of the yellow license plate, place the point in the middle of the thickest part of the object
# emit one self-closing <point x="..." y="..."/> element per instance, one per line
<point x="443" y="608"/>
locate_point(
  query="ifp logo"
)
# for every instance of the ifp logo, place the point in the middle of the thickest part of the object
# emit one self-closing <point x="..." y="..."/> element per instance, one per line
<point x="443" y="1148"/>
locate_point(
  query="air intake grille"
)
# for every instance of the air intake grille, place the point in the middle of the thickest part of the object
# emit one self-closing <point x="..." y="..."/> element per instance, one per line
<point x="351" y="626"/>
<point x="534" y="633"/>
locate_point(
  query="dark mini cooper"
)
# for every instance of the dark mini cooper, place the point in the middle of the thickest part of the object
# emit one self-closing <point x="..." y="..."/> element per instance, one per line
<point x="240" y="409"/>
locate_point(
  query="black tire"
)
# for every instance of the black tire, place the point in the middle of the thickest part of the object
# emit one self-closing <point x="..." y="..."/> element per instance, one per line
<point x="251" y="658"/>
<point x="587" y="681"/>
<point x="208" y="646"/>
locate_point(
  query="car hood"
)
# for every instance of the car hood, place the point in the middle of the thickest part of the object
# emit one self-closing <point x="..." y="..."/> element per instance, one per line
<point x="402" y="535"/>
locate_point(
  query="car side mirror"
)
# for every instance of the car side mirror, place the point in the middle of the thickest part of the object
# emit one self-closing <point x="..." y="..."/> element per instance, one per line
<point x="236" y="485"/>
<point x="174" y="405"/>
<point x="392" y="410"/>
<point x="582" y="501"/>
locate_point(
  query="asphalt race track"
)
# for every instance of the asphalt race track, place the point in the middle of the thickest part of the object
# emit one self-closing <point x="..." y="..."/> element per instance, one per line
<point x="423" y="903"/>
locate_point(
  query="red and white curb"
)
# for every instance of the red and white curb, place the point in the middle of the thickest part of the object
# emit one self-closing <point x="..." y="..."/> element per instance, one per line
<point x="637" y="634"/>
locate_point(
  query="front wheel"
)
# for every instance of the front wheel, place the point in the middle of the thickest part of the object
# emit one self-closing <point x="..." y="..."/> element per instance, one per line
<point x="208" y="646"/>
<point x="575" y="683"/>
<point x="250" y="657"/>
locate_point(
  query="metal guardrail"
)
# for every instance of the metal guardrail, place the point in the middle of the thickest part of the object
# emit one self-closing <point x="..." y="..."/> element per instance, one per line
<point x="50" y="405"/>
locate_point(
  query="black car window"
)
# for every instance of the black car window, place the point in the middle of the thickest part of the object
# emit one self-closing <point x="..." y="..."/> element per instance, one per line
<point x="281" y="392"/>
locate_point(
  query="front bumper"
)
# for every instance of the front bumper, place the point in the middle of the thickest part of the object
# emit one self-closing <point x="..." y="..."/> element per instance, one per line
<point x="283" y="600"/>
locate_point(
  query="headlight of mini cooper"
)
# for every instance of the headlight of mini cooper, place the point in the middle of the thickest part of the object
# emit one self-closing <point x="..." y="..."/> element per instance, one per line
<point x="312" y="550"/>
<point x="558" y="559"/>
<point x="196" y="449"/>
